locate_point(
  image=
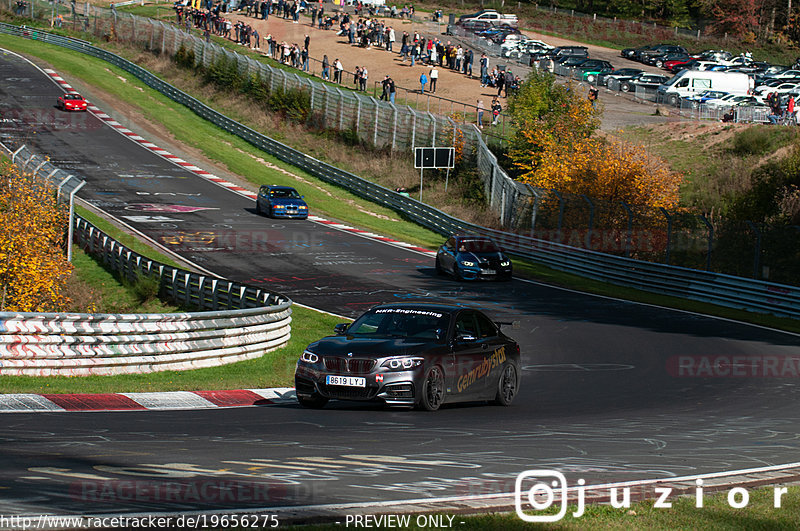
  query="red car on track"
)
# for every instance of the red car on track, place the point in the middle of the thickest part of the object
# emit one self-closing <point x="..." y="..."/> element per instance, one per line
<point x="71" y="101"/>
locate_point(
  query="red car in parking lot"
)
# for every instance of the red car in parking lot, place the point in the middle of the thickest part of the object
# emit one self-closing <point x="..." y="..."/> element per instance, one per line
<point x="71" y="101"/>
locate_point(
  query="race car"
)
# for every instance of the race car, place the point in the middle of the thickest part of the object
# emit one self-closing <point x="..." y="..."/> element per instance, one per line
<point x="422" y="355"/>
<point x="71" y="101"/>
<point x="281" y="202"/>
<point x="472" y="257"/>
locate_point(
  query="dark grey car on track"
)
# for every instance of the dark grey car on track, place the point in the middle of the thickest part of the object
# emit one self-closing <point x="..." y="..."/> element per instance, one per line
<point x="422" y="355"/>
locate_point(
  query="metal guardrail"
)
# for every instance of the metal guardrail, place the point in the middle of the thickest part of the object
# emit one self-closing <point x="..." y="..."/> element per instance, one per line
<point x="244" y="322"/>
<point x="703" y="286"/>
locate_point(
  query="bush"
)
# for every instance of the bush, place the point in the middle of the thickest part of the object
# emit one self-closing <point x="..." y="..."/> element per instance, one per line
<point x="761" y="140"/>
<point x="184" y="57"/>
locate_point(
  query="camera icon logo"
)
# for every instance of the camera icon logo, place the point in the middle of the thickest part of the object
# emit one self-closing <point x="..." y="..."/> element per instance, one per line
<point x="550" y="486"/>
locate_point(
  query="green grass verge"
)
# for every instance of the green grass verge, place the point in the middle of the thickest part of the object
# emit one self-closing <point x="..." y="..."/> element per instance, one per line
<point x="274" y="369"/>
<point x="716" y="514"/>
<point x="103" y="292"/>
<point x="126" y="239"/>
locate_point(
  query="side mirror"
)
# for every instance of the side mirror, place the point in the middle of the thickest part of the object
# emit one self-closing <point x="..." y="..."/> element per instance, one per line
<point x="340" y="329"/>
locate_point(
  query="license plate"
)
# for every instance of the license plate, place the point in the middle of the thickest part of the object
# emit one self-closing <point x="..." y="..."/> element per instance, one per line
<point x="488" y="271"/>
<point x="349" y="381"/>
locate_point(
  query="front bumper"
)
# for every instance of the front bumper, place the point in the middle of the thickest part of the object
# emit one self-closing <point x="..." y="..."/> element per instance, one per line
<point x="476" y="273"/>
<point x="399" y="388"/>
<point x="299" y="214"/>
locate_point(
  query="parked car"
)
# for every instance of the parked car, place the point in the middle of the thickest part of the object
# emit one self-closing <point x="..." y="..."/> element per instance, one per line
<point x="691" y="82"/>
<point x="590" y="69"/>
<point x="645" y="81"/>
<point x="709" y="95"/>
<point x="492" y="16"/>
<point x="472" y="257"/>
<point x="660" y="60"/>
<point x="281" y="202"/>
<point x="631" y="53"/>
<point x="731" y="100"/>
<point x="644" y="55"/>
<point x="476" y="25"/>
<point x="620" y="75"/>
<point x="412" y="354"/>
<point x="569" y="50"/>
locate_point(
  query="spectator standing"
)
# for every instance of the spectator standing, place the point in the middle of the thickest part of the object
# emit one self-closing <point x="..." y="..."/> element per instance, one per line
<point x="423" y="79"/>
<point x="499" y="81"/>
<point x="434" y="75"/>
<point x="392" y="90"/>
<point x="362" y="79"/>
<point x="390" y="39"/>
<point x="593" y="93"/>
<point x="468" y="58"/>
<point x="484" y="70"/>
<point x="326" y="68"/>
<point x="480" y="108"/>
<point x="339" y="69"/>
<point x="385" y="88"/>
<point x="508" y="81"/>
<point x="496" y="110"/>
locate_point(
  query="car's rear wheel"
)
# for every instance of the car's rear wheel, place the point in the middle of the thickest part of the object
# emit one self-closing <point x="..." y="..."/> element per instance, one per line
<point x="432" y="393"/>
<point x="312" y="402"/>
<point x="625" y="87"/>
<point x="506" y="386"/>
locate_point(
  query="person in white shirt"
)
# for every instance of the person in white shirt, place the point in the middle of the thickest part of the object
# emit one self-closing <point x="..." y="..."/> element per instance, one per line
<point x="434" y="77"/>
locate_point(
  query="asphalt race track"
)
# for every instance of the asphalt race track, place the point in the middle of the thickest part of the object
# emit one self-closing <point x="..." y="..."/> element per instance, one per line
<point x="611" y="390"/>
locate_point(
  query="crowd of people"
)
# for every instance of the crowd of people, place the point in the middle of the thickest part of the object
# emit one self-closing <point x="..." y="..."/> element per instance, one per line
<point x="364" y="30"/>
<point x="781" y="112"/>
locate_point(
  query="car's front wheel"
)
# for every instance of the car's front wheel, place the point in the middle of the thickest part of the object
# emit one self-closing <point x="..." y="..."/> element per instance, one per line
<point x="506" y="386"/>
<point x="625" y="87"/>
<point x="432" y="392"/>
<point x="312" y="402"/>
<point x="439" y="269"/>
<point x="258" y="208"/>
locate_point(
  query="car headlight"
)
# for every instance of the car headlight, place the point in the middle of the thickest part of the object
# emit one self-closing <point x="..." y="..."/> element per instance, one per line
<point x="278" y="207"/>
<point x="467" y="263"/>
<point x="402" y="364"/>
<point x="302" y="207"/>
<point x="309" y="357"/>
<point x="505" y="263"/>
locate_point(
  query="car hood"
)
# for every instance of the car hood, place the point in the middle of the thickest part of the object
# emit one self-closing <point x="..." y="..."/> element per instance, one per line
<point x="288" y="201"/>
<point x="478" y="257"/>
<point x="361" y="347"/>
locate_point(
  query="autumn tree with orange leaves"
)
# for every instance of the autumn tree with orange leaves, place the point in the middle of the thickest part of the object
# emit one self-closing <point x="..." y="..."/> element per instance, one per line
<point x="555" y="147"/>
<point x="33" y="267"/>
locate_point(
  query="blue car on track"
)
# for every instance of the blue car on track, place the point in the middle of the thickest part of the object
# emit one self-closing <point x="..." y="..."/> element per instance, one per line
<point x="281" y="202"/>
<point x="472" y="257"/>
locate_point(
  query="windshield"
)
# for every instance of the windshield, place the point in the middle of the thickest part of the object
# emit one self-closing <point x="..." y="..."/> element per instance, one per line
<point x="284" y="194"/>
<point x="477" y="246"/>
<point x="400" y="322"/>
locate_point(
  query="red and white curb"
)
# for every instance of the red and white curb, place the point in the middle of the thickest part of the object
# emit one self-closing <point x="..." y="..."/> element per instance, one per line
<point x="218" y="180"/>
<point x="30" y="403"/>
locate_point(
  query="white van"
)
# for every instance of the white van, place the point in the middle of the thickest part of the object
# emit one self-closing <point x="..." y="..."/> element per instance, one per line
<point x="690" y="82"/>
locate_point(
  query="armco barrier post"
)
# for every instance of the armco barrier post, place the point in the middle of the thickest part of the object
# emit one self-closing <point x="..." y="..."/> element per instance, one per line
<point x="757" y="251"/>
<point x="710" y="228"/>
<point x="669" y="234"/>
